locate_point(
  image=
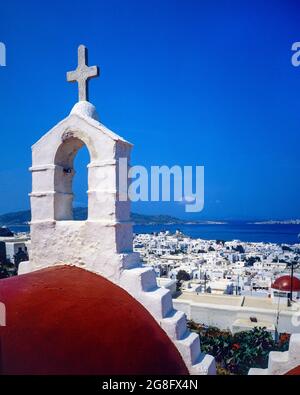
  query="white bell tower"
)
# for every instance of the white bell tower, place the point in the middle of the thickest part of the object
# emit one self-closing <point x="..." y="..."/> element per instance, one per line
<point x="102" y="243"/>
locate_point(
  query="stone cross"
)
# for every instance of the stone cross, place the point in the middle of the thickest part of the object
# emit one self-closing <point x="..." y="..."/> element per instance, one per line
<point x="83" y="73"/>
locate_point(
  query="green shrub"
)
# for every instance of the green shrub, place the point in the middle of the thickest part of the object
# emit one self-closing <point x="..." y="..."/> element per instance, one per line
<point x="236" y="354"/>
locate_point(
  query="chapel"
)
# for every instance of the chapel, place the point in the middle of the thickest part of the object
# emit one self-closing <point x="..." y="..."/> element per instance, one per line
<point x="84" y="303"/>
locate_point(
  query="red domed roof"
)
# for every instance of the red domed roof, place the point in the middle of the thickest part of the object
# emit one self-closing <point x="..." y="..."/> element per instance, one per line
<point x="66" y="320"/>
<point x="283" y="283"/>
<point x="294" y="372"/>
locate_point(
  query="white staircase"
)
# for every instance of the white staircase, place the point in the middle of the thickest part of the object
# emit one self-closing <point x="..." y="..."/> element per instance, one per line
<point x="281" y="362"/>
<point x="141" y="283"/>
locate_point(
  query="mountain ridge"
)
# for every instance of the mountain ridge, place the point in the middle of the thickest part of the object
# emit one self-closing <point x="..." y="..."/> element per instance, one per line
<point x="80" y="213"/>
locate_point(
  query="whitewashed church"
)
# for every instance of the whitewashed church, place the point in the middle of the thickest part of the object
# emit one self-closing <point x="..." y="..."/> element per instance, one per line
<point x="68" y="255"/>
<point x="84" y="304"/>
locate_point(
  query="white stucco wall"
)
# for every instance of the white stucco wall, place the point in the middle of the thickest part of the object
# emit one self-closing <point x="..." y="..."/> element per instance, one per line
<point x="224" y="316"/>
<point x="12" y="248"/>
<point x="102" y="243"/>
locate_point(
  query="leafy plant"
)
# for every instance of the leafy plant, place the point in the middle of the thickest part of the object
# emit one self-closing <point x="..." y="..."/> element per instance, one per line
<point x="237" y="353"/>
<point x="182" y="275"/>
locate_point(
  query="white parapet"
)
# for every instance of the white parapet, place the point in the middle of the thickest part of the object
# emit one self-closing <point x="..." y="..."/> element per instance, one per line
<point x="282" y="362"/>
<point x="141" y="283"/>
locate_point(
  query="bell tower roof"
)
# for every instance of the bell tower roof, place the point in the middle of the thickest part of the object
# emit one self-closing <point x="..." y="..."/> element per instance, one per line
<point x="85" y="109"/>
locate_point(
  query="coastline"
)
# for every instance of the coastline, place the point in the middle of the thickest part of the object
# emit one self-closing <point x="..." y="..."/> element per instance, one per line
<point x="243" y="231"/>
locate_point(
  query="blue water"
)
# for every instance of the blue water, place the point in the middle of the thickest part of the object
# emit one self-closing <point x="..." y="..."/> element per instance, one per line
<point x="232" y="231"/>
<point x="241" y="231"/>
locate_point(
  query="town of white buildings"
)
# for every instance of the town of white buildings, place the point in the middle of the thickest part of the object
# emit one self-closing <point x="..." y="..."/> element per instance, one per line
<point x="230" y="284"/>
<point x="227" y="284"/>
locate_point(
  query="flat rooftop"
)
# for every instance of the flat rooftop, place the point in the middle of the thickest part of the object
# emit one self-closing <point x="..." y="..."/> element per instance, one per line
<point x="233" y="300"/>
<point x="246" y="324"/>
<point x="15" y="239"/>
<point x="264" y="303"/>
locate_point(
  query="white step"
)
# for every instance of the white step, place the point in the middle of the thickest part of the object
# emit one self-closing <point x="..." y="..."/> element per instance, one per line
<point x="258" y="372"/>
<point x="277" y="361"/>
<point x="130" y="260"/>
<point x="138" y="279"/>
<point x="205" y="365"/>
<point x="141" y="283"/>
<point x="158" y="302"/>
<point x="189" y="347"/>
<point x="175" y="324"/>
<point x="294" y="347"/>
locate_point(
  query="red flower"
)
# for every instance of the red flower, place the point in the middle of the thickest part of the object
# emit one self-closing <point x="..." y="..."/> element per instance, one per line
<point x="284" y="337"/>
<point x="236" y="346"/>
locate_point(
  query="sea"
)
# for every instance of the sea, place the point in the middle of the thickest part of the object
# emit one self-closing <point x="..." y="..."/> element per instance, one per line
<point x="243" y="231"/>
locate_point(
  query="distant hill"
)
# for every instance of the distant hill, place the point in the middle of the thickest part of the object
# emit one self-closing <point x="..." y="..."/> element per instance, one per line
<point x="80" y="213"/>
<point x="155" y="219"/>
<point x="278" y="222"/>
<point x="15" y="218"/>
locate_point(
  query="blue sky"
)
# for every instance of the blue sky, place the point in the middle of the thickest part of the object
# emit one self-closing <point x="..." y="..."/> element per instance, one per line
<point x="189" y="82"/>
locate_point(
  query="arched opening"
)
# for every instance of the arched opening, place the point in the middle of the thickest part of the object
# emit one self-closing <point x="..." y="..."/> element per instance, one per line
<point x="71" y="181"/>
<point x="80" y="184"/>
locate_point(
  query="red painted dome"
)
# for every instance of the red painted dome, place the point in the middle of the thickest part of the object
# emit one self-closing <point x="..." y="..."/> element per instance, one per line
<point x="294" y="372"/>
<point x="66" y="320"/>
<point x="284" y="284"/>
